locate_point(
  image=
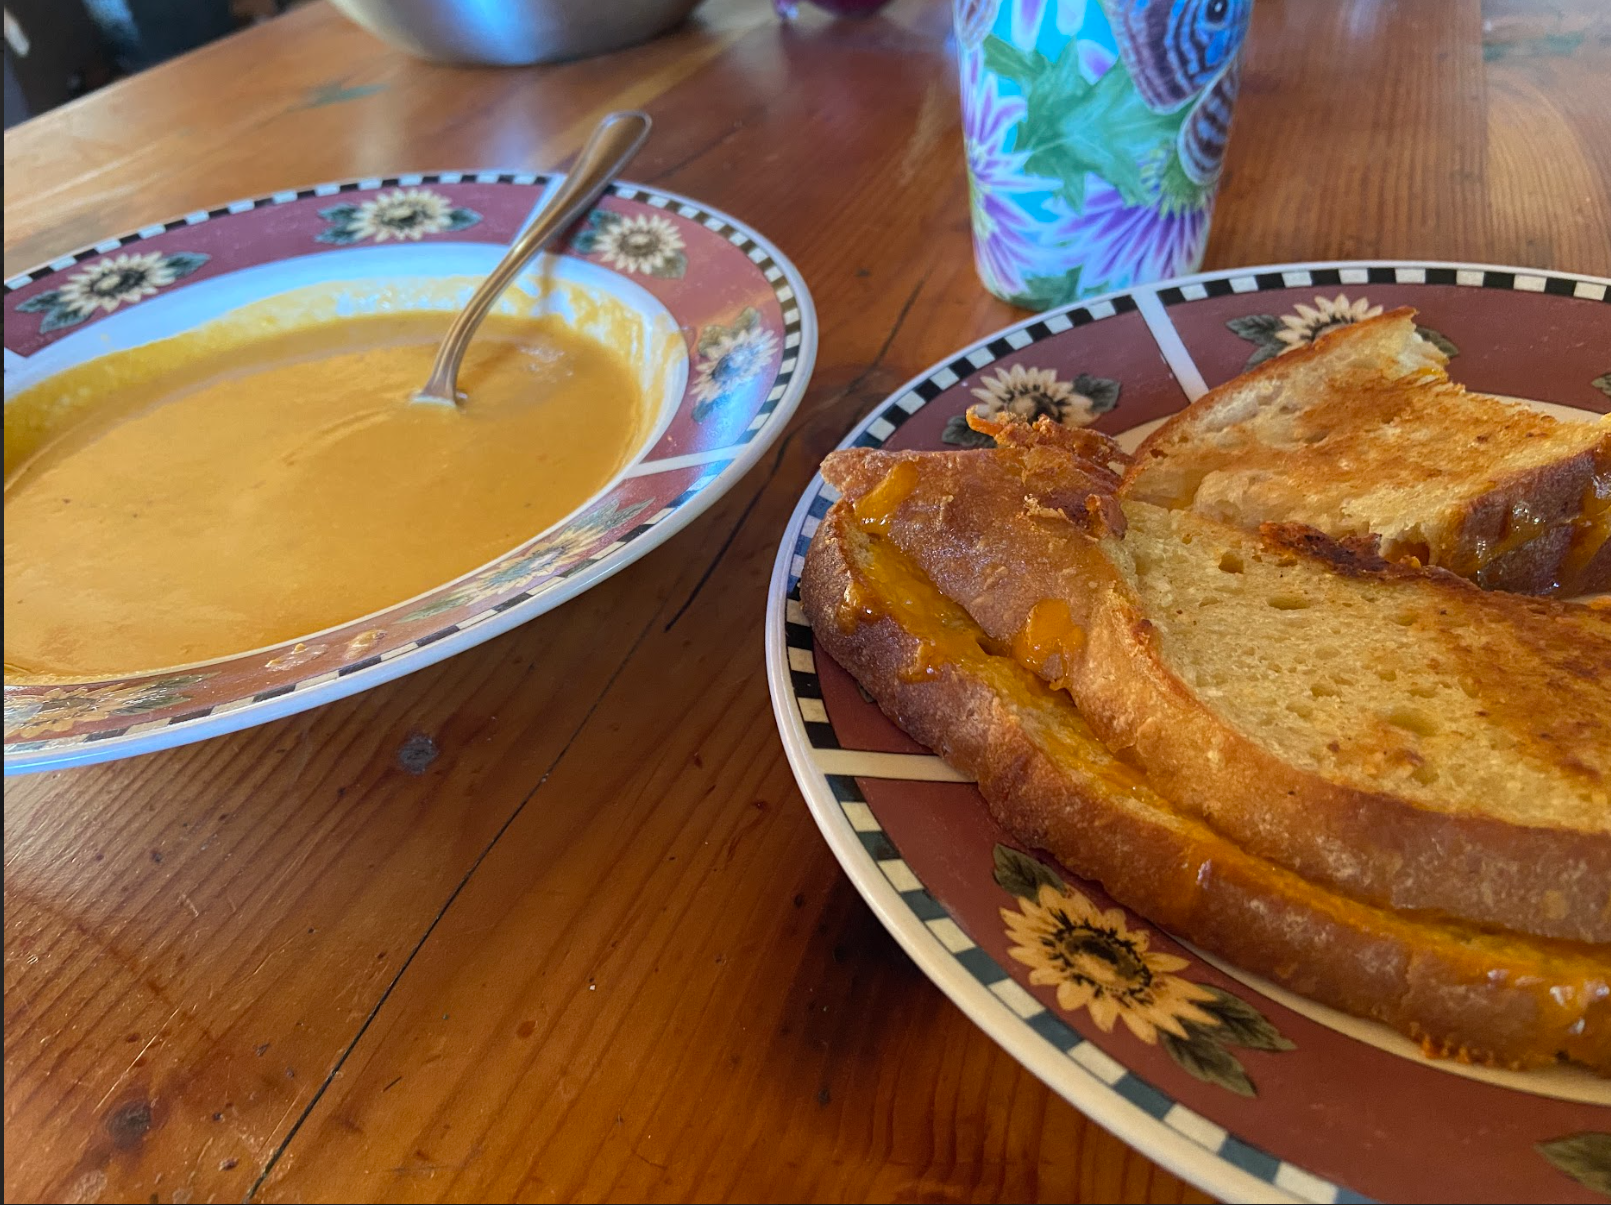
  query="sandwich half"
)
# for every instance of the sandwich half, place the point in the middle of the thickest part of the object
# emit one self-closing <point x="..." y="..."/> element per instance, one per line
<point x="1362" y="433"/>
<point x="1144" y="693"/>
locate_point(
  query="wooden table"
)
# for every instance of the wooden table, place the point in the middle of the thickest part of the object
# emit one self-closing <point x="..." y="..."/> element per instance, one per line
<point x="596" y="948"/>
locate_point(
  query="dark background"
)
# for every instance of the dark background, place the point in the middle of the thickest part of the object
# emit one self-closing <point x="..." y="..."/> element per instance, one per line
<point x="60" y="49"/>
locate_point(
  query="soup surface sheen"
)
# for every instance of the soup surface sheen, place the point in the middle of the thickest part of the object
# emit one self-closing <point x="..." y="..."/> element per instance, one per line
<point x="218" y="502"/>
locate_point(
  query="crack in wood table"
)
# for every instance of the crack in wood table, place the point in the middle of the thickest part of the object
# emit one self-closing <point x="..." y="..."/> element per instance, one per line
<point x="549" y="920"/>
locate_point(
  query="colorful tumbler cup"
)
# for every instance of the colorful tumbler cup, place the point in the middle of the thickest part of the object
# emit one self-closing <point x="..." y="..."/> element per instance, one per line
<point x="1094" y="132"/>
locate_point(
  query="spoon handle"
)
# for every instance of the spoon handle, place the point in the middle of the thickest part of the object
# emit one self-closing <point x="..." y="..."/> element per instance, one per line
<point x="613" y="142"/>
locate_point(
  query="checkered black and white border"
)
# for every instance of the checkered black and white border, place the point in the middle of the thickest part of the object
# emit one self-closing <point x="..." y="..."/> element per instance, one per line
<point x="759" y="253"/>
<point x="763" y="259"/>
<point x="919" y="393"/>
<point x="718" y="472"/>
<point x="1191" y="1145"/>
<point x="1326" y="276"/>
<point x="583" y="568"/>
<point x="1090" y="1059"/>
<point x="873" y="432"/>
<point x="1059" y="1044"/>
<point x="196" y="217"/>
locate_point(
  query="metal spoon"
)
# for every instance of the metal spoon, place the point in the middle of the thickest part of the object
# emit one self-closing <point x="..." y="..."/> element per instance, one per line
<point x="611" y="145"/>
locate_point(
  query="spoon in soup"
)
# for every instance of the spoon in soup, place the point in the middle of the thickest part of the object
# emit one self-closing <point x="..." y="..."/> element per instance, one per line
<point x="611" y="145"/>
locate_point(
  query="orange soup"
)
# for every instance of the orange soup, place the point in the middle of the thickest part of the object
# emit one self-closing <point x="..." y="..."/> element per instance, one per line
<point x="208" y="504"/>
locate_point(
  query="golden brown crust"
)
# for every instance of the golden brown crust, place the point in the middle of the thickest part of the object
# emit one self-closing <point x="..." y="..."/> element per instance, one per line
<point x="1010" y="431"/>
<point x="1508" y="527"/>
<point x="999" y="535"/>
<point x="1178" y="425"/>
<point x="1352" y="556"/>
<point x="1503" y="1000"/>
<point x="1596" y="573"/>
<point x="995" y="530"/>
<point x="1378" y="847"/>
<point x="1546" y="501"/>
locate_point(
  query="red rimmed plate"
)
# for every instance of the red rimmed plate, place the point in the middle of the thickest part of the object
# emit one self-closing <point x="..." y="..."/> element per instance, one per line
<point x="1284" y="1099"/>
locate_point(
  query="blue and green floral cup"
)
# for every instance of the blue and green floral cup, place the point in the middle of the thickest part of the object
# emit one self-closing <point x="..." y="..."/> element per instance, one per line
<point x="1094" y="132"/>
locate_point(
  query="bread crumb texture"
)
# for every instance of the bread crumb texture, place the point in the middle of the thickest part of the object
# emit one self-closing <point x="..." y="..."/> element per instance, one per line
<point x="1459" y="700"/>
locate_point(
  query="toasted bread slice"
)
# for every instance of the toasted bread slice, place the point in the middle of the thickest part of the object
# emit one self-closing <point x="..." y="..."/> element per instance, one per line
<point x="999" y="530"/>
<point x="1396" y="735"/>
<point x="1506" y="1000"/>
<point x="1362" y="433"/>
<point x="1401" y="735"/>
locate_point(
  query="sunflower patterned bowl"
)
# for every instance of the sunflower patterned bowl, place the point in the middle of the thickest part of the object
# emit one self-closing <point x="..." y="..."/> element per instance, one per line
<point x="732" y="309"/>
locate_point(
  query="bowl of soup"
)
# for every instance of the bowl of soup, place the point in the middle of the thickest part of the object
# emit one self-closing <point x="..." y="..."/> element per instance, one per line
<point x="221" y="504"/>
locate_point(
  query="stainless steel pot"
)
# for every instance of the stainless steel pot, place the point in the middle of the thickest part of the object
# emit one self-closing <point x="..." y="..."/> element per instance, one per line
<point x="513" y="32"/>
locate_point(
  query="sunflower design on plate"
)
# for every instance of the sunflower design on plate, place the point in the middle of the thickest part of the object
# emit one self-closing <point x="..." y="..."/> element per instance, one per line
<point x="730" y="357"/>
<point x="647" y="244"/>
<point x="551" y="558"/>
<point x="106" y="284"/>
<point x="403" y="214"/>
<point x="61" y="708"/>
<point x="1603" y="383"/>
<point x="1032" y="393"/>
<point x="1273" y="336"/>
<point x="1099" y="962"/>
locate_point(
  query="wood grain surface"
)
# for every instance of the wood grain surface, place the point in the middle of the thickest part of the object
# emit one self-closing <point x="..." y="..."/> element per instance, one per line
<point x="549" y="920"/>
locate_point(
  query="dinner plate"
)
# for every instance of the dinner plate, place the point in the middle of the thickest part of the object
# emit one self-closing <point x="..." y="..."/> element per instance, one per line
<point x="748" y="339"/>
<point x="1283" y="1099"/>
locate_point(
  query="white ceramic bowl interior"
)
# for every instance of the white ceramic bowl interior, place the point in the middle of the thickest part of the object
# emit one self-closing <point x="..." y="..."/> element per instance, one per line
<point x="399" y="279"/>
